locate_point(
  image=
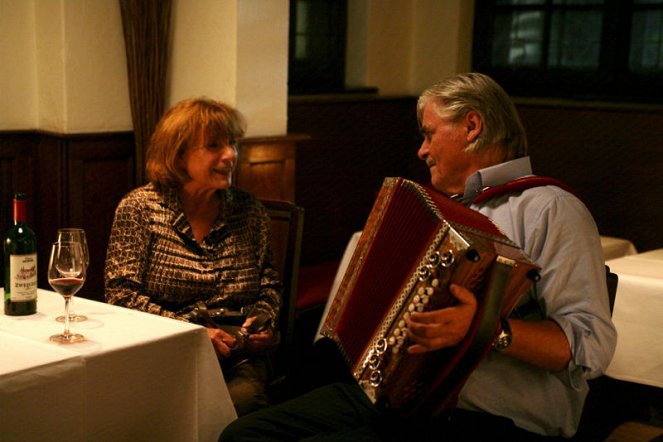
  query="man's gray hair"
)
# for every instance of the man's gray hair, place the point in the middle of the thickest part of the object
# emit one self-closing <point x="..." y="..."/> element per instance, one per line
<point x="455" y="96"/>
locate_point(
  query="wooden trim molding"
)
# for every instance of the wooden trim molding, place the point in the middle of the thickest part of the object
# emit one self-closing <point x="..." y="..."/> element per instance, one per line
<point x="267" y="166"/>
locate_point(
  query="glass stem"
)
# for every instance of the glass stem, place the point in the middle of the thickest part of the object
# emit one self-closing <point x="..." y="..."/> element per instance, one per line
<point x="71" y="307"/>
<point x="67" y="299"/>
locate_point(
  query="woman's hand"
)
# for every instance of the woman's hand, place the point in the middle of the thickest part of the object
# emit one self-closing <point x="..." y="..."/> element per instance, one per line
<point x="444" y="327"/>
<point x="223" y="342"/>
<point x="261" y="341"/>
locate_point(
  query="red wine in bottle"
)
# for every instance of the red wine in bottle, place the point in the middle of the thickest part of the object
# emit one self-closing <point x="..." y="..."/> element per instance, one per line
<point x="20" y="264"/>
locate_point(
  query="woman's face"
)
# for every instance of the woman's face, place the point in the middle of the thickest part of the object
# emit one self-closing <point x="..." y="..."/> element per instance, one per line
<point x="210" y="163"/>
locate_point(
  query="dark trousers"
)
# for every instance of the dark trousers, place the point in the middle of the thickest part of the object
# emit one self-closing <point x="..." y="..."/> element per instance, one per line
<point x="342" y="412"/>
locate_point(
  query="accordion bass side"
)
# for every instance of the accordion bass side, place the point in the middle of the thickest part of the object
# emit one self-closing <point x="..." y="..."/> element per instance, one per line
<point x="415" y="243"/>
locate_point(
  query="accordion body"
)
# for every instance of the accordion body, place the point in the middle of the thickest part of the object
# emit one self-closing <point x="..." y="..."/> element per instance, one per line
<point x="415" y="243"/>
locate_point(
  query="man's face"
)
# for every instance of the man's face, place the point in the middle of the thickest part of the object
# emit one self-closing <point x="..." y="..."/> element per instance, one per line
<point x="443" y="150"/>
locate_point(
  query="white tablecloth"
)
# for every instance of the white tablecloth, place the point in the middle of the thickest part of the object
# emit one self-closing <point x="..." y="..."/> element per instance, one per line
<point x="614" y="248"/>
<point x="136" y="377"/>
<point x="342" y="267"/>
<point x="638" y="316"/>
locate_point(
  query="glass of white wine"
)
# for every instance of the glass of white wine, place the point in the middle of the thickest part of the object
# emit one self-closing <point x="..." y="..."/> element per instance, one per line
<point x="66" y="274"/>
<point x="75" y="235"/>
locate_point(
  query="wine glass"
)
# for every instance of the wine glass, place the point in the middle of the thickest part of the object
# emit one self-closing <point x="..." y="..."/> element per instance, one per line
<point x="76" y="235"/>
<point x="66" y="274"/>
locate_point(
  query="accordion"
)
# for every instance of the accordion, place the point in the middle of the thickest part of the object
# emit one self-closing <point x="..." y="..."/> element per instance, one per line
<point x="416" y="242"/>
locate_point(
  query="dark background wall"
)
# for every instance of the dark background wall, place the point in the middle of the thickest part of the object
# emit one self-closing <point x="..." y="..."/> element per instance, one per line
<point x="611" y="155"/>
<point x="354" y="143"/>
<point x="70" y="181"/>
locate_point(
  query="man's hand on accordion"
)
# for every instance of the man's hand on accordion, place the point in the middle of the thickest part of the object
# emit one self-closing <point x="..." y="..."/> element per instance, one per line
<point x="444" y="327"/>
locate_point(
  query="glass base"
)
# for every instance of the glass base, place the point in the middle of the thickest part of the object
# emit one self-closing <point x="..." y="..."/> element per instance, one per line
<point x="67" y="339"/>
<point x="72" y="318"/>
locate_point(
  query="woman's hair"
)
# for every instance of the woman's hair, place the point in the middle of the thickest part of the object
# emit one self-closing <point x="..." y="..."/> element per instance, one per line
<point x="186" y="124"/>
<point x="454" y="97"/>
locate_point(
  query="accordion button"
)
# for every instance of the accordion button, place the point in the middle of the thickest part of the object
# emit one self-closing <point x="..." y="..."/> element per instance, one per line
<point x="435" y="282"/>
<point x="373" y="362"/>
<point x="381" y="346"/>
<point x="376" y="379"/>
<point x="447" y="259"/>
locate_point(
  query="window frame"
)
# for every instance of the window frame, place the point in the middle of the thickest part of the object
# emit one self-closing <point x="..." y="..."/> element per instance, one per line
<point x="322" y="71"/>
<point x="611" y="81"/>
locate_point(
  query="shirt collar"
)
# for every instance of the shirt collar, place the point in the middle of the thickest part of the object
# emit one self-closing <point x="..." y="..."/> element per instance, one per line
<point x="496" y="175"/>
<point x="171" y="200"/>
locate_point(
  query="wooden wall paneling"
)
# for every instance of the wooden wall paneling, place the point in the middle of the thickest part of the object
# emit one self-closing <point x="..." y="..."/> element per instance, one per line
<point x="612" y="156"/>
<point x="17" y="174"/>
<point x="50" y="212"/>
<point x="267" y="166"/>
<point x="100" y="171"/>
<point x="356" y="142"/>
<point x="17" y="154"/>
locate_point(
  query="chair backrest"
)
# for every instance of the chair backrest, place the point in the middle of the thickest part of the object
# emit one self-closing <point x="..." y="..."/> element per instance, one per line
<point x="612" y="280"/>
<point x="286" y="229"/>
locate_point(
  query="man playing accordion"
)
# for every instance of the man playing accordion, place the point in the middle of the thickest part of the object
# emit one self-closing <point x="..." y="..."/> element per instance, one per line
<point x="533" y="383"/>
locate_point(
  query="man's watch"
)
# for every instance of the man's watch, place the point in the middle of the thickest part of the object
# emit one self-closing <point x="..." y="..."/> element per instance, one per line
<point x="504" y="338"/>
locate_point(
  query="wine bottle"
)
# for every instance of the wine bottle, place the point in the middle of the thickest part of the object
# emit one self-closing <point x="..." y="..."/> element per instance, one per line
<point x="20" y="264"/>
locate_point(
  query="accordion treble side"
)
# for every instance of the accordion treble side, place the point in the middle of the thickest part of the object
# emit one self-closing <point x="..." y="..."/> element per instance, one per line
<point x="416" y="242"/>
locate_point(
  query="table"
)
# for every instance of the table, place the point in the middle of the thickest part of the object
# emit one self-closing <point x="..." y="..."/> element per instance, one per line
<point x="342" y="267"/>
<point x="616" y="247"/>
<point x="638" y="316"/>
<point x="137" y="377"/>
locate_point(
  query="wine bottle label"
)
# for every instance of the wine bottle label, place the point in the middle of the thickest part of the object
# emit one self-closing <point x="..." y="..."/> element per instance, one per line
<point x="23" y="277"/>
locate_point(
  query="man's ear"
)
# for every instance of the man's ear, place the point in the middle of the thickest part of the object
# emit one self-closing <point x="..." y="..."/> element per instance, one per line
<point x="473" y="124"/>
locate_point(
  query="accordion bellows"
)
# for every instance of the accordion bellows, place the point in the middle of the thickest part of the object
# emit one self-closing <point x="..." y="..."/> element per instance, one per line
<point x="415" y="243"/>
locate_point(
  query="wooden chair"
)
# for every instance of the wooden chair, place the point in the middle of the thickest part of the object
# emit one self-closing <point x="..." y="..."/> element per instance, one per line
<point x="287" y="227"/>
<point x="612" y="279"/>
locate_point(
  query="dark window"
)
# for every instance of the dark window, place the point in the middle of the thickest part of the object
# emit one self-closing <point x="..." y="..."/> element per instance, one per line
<point x="587" y="49"/>
<point x="317" y="46"/>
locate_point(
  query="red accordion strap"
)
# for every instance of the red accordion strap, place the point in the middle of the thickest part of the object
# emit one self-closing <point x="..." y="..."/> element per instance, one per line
<point x="519" y="185"/>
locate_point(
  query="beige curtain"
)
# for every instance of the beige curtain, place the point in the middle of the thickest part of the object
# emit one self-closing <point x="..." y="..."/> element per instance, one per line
<point x="146" y="26"/>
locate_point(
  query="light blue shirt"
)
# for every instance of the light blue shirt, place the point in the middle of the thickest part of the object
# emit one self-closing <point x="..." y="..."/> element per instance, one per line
<point x="555" y="229"/>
